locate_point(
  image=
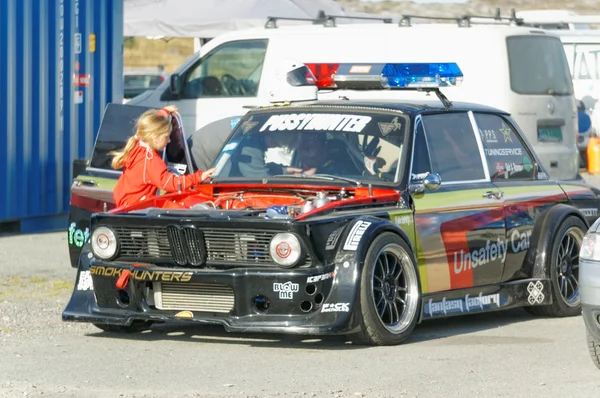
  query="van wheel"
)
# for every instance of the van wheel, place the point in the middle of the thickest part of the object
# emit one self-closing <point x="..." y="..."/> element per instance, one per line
<point x="564" y="271"/>
<point x="390" y="294"/>
<point x="136" y="326"/>
<point x="594" y="348"/>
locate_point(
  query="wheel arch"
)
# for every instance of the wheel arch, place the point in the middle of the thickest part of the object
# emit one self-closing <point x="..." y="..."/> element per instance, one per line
<point x="544" y="231"/>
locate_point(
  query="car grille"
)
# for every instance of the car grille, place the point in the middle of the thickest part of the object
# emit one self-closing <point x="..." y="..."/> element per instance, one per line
<point x="194" y="297"/>
<point x="191" y="246"/>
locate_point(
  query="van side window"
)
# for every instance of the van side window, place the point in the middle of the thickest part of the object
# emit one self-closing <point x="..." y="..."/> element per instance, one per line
<point x="453" y="147"/>
<point x="231" y="70"/>
<point x="507" y="157"/>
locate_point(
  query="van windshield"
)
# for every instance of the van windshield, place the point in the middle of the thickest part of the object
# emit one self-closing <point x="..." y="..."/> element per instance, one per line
<point x="538" y="66"/>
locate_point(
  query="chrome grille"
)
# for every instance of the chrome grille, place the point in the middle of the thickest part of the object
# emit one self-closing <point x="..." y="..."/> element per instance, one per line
<point x="194" y="297"/>
<point x="187" y="245"/>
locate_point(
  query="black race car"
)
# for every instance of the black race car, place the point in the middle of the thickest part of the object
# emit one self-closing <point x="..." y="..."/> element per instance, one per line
<point x="346" y="217"/>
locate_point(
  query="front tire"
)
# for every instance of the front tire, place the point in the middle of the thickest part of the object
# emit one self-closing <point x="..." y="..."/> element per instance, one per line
<point x="564" y="270"/>
<point x="390" y="293"/>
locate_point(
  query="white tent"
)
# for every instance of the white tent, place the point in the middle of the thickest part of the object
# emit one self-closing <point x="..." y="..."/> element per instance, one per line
<point x="209" y="18"/>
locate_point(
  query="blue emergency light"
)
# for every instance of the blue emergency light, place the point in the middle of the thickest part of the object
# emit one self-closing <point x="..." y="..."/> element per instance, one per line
<point x="397" y="76"/>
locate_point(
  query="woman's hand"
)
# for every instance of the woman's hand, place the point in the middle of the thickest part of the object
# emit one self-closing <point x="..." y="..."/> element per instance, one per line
<point x="207" y="174"/>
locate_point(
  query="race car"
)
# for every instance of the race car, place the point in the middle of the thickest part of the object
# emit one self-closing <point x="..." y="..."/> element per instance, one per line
<point x="349" y="217"/>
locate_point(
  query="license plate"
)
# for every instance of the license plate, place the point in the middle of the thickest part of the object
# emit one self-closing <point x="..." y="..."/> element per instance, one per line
<point x="551" y="134"/>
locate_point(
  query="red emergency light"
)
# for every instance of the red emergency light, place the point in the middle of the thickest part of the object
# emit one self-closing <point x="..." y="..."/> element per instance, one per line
<point x="324" y="74"/>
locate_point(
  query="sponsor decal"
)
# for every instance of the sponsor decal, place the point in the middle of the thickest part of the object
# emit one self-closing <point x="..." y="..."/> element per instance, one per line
<point x="488" y="135"/>
<point x="336" y="307"/>
<point x="360" y="68"/>
<point x="504" y="151"/>
<point x="464" y="261"/>
<point x="506" y="133"/>
<point x="142" y="275"/>
<point x="499" y="167"/>
<point x="402" y="220"/>
<point x="322" y="277"/>
<point x="589" y="212"/>
<point x="542" y="176"/>
<point x="514" y="167"/>
<point x="461" y="305"/>
<point x="536" y="295"/>
<point x="387" y="128"/>
<point x="184" y="314"/>
<point x="283" y="249"/>
<point x="356" y="234"/>
<point x="85" y="281"/>
<point x="333" y="238"/>
<point x="286" y="290"/>
<point x="316" y="121"/>
<point x="77" y="236"/>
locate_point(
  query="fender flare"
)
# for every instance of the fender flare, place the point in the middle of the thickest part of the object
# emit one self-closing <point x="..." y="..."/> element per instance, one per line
<point x="544" y="231"/>
<point x="376" y="227"/>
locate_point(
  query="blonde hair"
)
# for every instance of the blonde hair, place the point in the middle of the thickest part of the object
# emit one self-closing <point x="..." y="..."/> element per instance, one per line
<point x="148" y="127"/>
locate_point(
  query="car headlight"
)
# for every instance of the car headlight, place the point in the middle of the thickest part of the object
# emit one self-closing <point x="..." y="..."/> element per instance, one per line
<point x="590" y="247"/>
<point x="285" y="249"/>
<point x="104" y="243"/>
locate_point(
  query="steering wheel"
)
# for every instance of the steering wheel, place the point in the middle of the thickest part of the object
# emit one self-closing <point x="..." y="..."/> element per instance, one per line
<point x="233" y="86"/>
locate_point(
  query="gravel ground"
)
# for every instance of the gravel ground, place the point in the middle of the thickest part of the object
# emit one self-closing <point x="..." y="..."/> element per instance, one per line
<point x="504" y="354"/>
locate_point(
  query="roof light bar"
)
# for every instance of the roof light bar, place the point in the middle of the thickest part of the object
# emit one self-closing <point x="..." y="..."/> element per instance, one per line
<point x="397" y="76"/>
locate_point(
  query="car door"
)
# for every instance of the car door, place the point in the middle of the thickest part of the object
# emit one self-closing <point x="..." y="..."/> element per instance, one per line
<point x="223" y="83"/>
<point x="94" y="179"/>
<point x="524" y="185"/>
<point x="460" y="226"/>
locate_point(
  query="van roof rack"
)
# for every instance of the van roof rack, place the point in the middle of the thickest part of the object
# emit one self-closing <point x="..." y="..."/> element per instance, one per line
<point x="322" y="19"/>
<point x="466" y="20"/>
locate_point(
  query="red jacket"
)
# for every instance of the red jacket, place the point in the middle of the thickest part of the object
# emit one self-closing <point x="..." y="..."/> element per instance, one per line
<point x="144" y="172"/>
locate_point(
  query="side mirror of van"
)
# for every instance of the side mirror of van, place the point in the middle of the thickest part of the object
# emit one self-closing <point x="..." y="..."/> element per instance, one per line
<point x="175" y="84"/>
<point x="79" y="165"/>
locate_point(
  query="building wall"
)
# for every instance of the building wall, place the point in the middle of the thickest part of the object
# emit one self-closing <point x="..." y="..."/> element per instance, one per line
<point x="60" y="64"/>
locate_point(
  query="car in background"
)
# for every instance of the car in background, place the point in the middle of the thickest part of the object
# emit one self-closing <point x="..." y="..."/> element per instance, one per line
<point x="137" y="81"/>
<point x="386" y="213"/>
<point x="589" y="289"/>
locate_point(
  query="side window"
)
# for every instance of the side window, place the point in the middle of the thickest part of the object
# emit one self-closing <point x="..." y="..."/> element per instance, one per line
<point x="453" y="147"/>
<point x="232" y="70"/>
<point x="507" y="156"/>
<point x="421" y="163"/>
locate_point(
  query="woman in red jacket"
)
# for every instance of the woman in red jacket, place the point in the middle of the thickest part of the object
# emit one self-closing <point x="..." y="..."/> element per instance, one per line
<point x="144" y="171"/>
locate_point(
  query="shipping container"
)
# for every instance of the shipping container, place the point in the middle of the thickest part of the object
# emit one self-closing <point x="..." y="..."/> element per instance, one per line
<point x="61" y="62"/>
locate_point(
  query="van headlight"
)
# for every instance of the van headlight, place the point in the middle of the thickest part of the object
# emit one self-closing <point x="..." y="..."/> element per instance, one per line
<point x="285" y="249"/>
<point x="590" y="247"/>
<point x="104" y="243"/>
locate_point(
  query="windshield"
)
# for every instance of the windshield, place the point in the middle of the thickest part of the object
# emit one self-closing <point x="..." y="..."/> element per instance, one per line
<point x="538" y="66"/>
<point x="345" y="144"/>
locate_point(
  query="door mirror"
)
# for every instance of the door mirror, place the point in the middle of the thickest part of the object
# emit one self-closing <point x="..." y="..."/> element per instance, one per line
<point x="175" y="84"/>
<point x="431" y="182"/>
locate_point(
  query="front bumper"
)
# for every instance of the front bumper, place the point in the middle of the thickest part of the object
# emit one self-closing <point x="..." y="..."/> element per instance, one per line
<point x="589" y="291"/>
<point x="315" y="300"/>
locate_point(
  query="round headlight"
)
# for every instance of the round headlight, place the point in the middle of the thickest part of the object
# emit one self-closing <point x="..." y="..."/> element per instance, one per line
<point x="104" y="243"/>
<point x="285" y="249"/>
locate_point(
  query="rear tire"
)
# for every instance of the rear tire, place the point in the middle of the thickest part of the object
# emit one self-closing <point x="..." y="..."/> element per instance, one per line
<point x="390" y="293"/>
<point x="564" y="271"/>
<point x="135" y="327"/>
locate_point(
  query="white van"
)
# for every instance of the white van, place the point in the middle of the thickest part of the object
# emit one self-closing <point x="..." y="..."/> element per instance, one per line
<point x="521" y="70"/>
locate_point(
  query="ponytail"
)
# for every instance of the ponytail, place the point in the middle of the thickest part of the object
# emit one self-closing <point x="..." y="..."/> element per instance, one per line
<point x="120" y="156"/>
